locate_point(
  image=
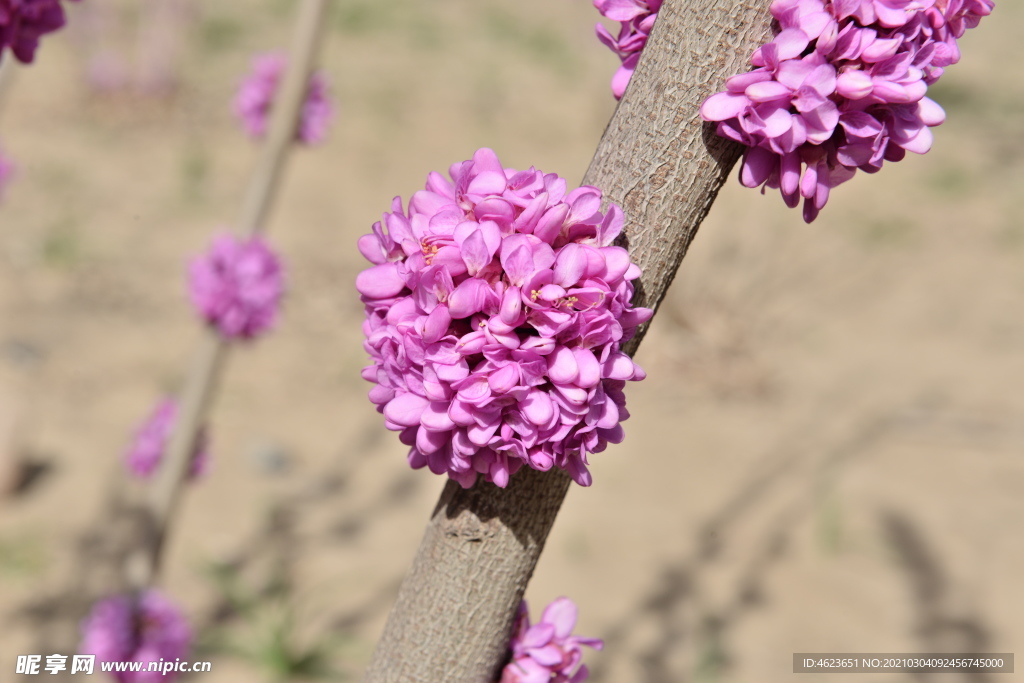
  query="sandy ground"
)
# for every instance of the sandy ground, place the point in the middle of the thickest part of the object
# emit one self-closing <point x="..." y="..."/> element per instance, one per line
<point x="826" y="456"/>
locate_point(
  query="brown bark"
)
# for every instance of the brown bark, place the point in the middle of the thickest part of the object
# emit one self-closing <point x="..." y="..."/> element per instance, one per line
<point x="664" y="167"/>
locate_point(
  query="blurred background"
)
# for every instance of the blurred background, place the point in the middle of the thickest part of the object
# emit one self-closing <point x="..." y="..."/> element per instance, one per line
<point x="825" y="457"/>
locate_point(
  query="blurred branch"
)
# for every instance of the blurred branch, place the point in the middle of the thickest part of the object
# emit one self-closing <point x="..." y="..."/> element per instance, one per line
<point x="201" y="383"/>
<point x="664" y="166"/>
<point x="8" y="67"/>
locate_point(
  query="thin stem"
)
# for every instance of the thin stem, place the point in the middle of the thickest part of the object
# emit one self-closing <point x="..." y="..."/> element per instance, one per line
<point x="203" y="378"/>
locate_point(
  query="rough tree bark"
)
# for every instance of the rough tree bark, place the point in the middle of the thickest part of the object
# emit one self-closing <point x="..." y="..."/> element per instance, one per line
<point x="664" y="167"/>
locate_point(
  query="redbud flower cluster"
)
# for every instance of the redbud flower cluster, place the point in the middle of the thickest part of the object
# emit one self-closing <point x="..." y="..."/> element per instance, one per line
<point x="24" y="22"/>
<point x="547" y="652"/>
<point x="147" y="449"/>
<point x="148" y="629"/>
<point x="256" y="95"/>
<point x="237" y="286"/>
<point x="6" y="172"/>
<point x="636" y="19"/>
<point x="494" y="314"/>
<point x="840" y="88"/>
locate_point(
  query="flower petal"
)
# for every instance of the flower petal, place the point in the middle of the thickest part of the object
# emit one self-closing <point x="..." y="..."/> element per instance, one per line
<point x="380" y="282"/>
<point x="406" y="409"/>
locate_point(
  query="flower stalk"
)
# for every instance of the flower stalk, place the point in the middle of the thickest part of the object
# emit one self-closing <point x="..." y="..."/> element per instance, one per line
<point x="203" y="377"/>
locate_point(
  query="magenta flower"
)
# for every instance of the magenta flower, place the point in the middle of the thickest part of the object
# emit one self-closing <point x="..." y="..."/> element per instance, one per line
<point x="147" y="449"/>
<point x="24" y="22"/>
<point x="6" y="172"/>
<point x="256" y="95"/>
<point x="636" y="19"/>
<point x="547" y="652"/>
<point x="494" y="314"/>
<point x="841" y="87"/>
<point x="149" y="630"/>
<point x="237" y="286"/>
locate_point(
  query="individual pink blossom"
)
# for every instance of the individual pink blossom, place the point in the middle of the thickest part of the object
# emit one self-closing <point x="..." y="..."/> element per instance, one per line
<point x="256" y="95"/>
<point x="147" y="449"/>
<point x="495" y="310"/>
<point x="547" y="652"/>
<point x="6" y="172"/>
<point x="24" y="22"/>
<point x="841" y="87"/>
<point x="237" y="286"/>
<point x="636" y="19"/>
<point x="143" y="629"/>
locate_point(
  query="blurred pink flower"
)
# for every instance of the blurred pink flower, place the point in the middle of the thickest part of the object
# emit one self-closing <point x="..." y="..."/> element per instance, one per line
<point x="256" y="96"/>
<point x="24" y="22"/>
<point x="494" y="313"/>
<point x="237" y="286"/>
<point x="840" y="88"/>
<point x="547" y="652"/>
<point x="150" y="443"/>
<point x="120" y="630"/>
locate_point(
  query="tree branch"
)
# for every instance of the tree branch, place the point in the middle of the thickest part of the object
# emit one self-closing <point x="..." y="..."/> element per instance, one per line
<point x="664" y="167"/>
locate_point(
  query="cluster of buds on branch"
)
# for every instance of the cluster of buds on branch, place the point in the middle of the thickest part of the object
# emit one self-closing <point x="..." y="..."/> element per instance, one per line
<point x="840" y="88"/>
<point x="547" y="652"/>
<point x="494" y="316"/>
<point x="143" y="628"/>
<point x="636" y="19"/>
<point x="24" y="22"/>
<point x="236" y="287"/>
<point x="150" y="443"/>
<point x="256" y="95"/>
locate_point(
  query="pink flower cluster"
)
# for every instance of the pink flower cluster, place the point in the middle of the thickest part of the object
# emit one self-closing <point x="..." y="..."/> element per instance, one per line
<point x="152" y="628"/>
<point x="494" y="314"/>
<point x="147" y="449"/>
<point x="636" y="19"/>
<point x="24" y="22"/>
<point x="237" y="286"/>
<point x="256" y="95"/>
<point x="547" y="652"/>
<point x="841" y="87"/>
